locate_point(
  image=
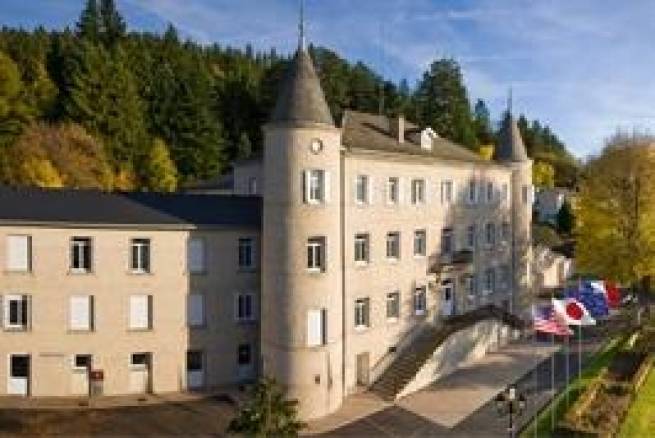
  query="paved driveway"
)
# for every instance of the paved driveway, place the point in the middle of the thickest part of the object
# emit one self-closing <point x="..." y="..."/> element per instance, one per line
<point x="206" y="417"/>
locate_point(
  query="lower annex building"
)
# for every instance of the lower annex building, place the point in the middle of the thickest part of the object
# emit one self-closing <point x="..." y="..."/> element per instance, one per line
<point x="324" y="255"/>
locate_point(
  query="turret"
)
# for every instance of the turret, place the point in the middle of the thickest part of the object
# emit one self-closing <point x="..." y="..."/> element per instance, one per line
<point x="510" y="151"/>
<point x="302" y="300"/>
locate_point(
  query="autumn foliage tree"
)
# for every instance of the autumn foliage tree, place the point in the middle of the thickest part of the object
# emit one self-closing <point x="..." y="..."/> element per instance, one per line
<point x="58" y="155"/>
<point x="615" y="213"/>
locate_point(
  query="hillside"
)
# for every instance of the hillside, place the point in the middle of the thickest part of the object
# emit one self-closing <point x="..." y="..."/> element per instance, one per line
<point x="98" y="106"/>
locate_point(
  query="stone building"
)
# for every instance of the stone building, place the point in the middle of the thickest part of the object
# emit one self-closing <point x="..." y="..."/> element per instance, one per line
<point x="317" y="265"/>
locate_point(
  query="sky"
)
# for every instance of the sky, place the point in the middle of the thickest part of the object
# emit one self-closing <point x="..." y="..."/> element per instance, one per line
<point x="584" y="67"/>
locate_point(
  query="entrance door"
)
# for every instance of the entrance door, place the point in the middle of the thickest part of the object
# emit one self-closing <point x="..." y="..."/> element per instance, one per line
<point x="195" y="370"/>
<point x="140" y="367"/>
<point x="447" y="298"/>
<point x="80" y="374"/>
<point x="19" y="375"/>
<point x="246" y="367"/>
<point x="362" y="369"/>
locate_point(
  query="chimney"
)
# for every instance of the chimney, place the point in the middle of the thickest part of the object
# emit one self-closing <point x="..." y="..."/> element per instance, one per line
<point x="397" y="127"/>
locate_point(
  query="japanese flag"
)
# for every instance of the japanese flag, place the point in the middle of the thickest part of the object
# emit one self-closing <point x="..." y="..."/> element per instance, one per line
<point x="572" y="312"/>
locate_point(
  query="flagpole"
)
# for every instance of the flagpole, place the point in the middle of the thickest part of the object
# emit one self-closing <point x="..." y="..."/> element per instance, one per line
<point x="552" y="384"/>
<point x="579" y="353"/>
<point x="568" y="358"/>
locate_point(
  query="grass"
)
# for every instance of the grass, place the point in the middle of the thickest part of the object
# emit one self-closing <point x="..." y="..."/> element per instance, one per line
<point x="640" y="421"/>
<point x="559" y="405"/>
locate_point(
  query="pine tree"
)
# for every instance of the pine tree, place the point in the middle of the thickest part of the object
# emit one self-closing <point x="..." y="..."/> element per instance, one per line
<point x="244" y="147"/>
<point x="14" y="113"/>
<point x="482" y="123"/>
<point x="565" y="219"/>
<point x="88" y="26"/>
<point x="161" y="175"/>
<point x="113" y="25"/>
<point x="443" y="103"/>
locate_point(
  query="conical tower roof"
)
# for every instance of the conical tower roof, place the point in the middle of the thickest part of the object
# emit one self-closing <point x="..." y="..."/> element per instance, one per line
<point x="510" y="143"/>
<point x="301" y="98"/>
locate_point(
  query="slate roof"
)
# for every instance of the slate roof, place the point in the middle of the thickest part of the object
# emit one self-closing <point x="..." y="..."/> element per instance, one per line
<point x="177" y="210"/>
<point x="301" y="98"/>
<point x="371" y="131"/>
<point x="510" y="144"/>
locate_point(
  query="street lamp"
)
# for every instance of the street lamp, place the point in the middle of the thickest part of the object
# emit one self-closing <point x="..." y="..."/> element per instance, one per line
<point x="512" y="404"/>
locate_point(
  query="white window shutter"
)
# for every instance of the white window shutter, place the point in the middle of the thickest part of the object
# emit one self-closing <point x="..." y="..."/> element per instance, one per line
<point x="306" y="175"/>
<point x="428" y="191"/>
<point x="314" y="328"/>
<point x="370" y="190"/>
<point x="196" y="309"/>
<point x="18" y="253"/>
<point x="80" y="313"/>
<point x="326" y="187"/>
<point x="196" y="255"/>
<point x="401" y="190"/>
<point x="139" y="312"/>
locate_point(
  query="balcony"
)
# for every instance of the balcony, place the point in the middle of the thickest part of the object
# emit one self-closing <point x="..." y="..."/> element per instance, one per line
<point x="450" y="261"/>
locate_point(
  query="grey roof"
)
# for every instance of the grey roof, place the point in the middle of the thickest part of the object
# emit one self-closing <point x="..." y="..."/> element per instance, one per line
<point x="370" y="131"/>
<point x="510" y="144"/>
<point x="176" y="210"/>
<point x="301" y="98"/>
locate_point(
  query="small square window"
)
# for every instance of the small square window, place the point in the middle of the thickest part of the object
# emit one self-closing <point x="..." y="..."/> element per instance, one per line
<point x="447" y="244"/>
<point x="16" y="312"/>
<point x="246" y="253"/>
<point x="140" y="260"/>
<point x="82" y="361"/>
<point x="245" y="307"/>
<point x="393" y="190"/>
<point x="418" y="191"/>
<point x="244" y="354"/>
<point x="194" y="360"/>
<point x="81" y="253"/>
<point x="315" y="186"/>
<point x="446" y="192"/>
<point x="362" y="188"/>
<point x="490" y="233"/>
<point x="420" y="301"/>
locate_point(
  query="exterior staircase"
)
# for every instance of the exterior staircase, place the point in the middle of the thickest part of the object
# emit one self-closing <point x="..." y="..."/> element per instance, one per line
<point x="407" y="364"/>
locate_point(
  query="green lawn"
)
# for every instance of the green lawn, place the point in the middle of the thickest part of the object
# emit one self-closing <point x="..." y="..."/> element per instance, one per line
<point x="640" y="421"/>
<point x="574" y="389"/>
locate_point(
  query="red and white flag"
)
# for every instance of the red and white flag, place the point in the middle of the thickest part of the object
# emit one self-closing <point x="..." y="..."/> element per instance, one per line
<point x="546" y="320"/>
<point x="572" y="312"/>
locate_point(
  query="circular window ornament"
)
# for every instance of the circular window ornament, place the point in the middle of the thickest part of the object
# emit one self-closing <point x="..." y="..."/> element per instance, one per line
<point x="316" y="146"/>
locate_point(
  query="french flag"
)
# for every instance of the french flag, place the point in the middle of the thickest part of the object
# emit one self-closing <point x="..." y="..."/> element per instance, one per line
<point x="573" y="312"/>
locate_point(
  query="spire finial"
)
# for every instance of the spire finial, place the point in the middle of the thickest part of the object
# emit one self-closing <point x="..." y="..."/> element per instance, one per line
<point x="301" y="26"/>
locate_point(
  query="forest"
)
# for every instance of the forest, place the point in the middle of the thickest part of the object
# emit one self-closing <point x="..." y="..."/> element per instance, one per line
<point x="98" y="106"/>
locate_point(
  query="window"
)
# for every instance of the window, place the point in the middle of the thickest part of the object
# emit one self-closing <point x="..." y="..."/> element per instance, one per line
<point x="244" y="354"/>
<point x="489" y="281"/>
<point x="470" y="237"/>
<point x="196" y="255"/>
<point x="82" y="361"/>
<point x="393" y="245"/>
<point x="245" y="307"/>
<point x="490" y="234"/>
<point x="393" y="190"/>
<point x="139" y="360"/>
<point x="361" y="248"/>
<point x="316" y="254"/>
<point x="196" y="310"/>
<point x="504" y="277"/>
<point x="194" y="360"/>
<point x="505" y="231"/>
<point x="447" y="241"/>
<point x="252" y="185"/>
<point x="362" y="195"/>
<point x="316" y="186"/>
<point x="316" y="327"/>
<point x="446" y="192"/>
<point x="420" y="243"/>
<point x="469" y="285"/>
<point x="140" y="262"/>
<point x="19" y="253"/>
<point x="246" y="253"/>
<point x="81" y="254"/>
<point x="81" y="313"/>
<point x="490" y="192"/>
<point x="472" y="192"/>
<point x="420" y="300"/>
<point x="393" y="305"/>
<point x="16" y="315"/>
<point x="362" y="313"/>
<point x="418" y="191"/>
<point x="140" y="312"/>
<point x="504" y="192"/>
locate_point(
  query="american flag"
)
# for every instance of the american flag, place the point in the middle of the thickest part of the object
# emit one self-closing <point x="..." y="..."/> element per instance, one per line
<point x="546" y="321"/>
